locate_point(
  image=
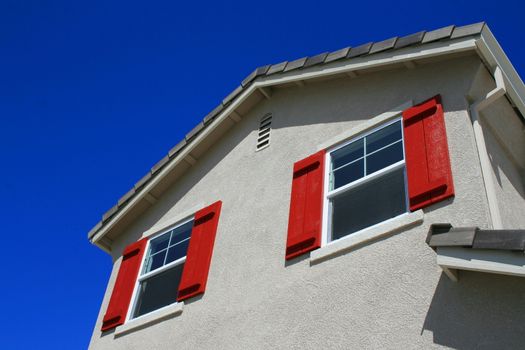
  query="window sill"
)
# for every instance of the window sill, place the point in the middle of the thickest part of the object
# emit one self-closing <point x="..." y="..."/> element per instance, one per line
<point x="386" y="228"/>
<point x="148" y="319"/>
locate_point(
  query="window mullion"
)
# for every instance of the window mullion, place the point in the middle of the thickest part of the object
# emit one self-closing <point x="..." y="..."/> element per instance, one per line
<point x="365" y="179"/>
<point x="162" y="269"/>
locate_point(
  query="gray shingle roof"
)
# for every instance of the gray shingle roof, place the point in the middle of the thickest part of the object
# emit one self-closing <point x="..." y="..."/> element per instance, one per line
<point x="423" y="37"/>
<point x="444" y="235"/>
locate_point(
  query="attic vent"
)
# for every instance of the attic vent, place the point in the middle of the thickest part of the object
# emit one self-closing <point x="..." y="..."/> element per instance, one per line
<point x="263" y="138"/>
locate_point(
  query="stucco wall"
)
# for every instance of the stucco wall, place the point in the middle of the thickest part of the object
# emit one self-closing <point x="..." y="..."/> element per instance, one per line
<point x="386" y="294"/>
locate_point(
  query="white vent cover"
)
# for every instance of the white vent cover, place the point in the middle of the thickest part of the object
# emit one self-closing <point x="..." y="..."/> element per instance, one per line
<point x="265" y="126"/>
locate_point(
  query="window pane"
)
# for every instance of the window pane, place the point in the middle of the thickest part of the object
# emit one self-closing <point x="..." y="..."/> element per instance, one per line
<point x="383" y="137"/>
<point x="348" y="174"/>
<point x="177" y="251"/>
<point x="368" y="204"/>
<point x="159" y="243"/>
<point x="384" y="158"/>
<point x="347" y="154"/>
<point x="155" y="261"/>
<point x="181" y="233"/>
<point x="158" y="291"/>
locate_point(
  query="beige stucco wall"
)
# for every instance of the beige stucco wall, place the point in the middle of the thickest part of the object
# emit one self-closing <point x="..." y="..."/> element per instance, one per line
<point x="386" y="294"/>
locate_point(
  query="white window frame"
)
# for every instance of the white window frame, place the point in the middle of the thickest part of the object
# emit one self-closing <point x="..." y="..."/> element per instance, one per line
<point x="140" y="278"/>
<point x="328" y="195"/>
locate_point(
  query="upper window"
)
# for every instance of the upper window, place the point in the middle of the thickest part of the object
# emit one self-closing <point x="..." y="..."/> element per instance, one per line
<point x="366" y="182"/>
<point x="161" y="271"/>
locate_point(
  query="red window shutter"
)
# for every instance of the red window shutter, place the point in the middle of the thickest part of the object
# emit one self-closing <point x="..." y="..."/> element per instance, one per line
<point x="123" y="288"/>
<point x="426" y="152"/>
<point x="198" y="258"/>
<point x="306" y="206"/>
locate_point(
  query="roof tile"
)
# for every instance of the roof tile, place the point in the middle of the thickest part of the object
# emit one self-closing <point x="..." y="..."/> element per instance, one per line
<point x="277" y="68"/>
<point x="337" y="55"/>
<point x="471" y="29"/>
<point x="437" y="34"/>
<point x="317" y="59"/>
<point x="232" y="95"/>
<point x="408" y="40"/>
<point x="295" y="64"/>
<point x="383" y="45"/>
<point x="210" y="116"/>
<point x="125" y="197"/>
<point x="110" y="213"/>
<point x="142" y="181"/>
<point x="94" y="229"/>
<point x="160" y="164"/>
<point x="177" y="148"/>
<point x="257" y="72"/>
<point x="194" y="131"/>
<point x="359" y="50"/>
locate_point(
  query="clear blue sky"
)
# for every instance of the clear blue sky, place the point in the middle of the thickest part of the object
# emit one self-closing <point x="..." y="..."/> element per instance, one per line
<point x="92" y="94"/>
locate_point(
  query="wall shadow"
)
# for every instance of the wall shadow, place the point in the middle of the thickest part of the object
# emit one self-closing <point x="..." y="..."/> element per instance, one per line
<point x="481" y="311"/>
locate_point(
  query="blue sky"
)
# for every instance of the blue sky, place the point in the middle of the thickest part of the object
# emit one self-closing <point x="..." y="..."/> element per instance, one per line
<point x="92" y="94"/>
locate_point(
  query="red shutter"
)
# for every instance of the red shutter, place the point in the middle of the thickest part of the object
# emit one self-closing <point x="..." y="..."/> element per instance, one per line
<point x="123" y="288"/>
<point x="426" y="151"/>
<point x="198" y="258"/>
<point x="306" y="206"/>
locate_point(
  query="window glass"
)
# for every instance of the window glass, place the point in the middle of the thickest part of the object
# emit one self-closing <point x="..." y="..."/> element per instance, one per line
<point x="158" y="291"/>
<point x="383" y="137"/>
<point x="385" y="157"/>
<point x="373" y="199"/>
<point x="369" y="204"/>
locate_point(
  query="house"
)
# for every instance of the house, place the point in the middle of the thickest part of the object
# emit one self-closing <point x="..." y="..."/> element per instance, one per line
<point x="371" y="197"/>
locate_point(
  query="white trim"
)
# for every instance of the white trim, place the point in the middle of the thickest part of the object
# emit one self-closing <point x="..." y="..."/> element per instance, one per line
<point x="149" y="318"/>
<point x="490" y="50"/>
<point x="388" y="227"/>
<point x="161" y="269"/>
<point x="377" y="60"/>
<point x="484" y="158"/>
<point x="483" y="260"/>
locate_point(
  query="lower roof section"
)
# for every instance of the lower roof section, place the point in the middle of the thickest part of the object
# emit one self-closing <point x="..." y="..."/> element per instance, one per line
<point x="474" y="249"/>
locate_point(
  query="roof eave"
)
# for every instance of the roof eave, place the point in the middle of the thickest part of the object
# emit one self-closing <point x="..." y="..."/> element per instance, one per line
<point x="484" y="44"/>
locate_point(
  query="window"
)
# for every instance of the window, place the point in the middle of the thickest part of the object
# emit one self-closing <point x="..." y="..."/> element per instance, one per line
<point x="366" y="181"/>
<point x="161" y="271"/>
<point x="402" y="166"/>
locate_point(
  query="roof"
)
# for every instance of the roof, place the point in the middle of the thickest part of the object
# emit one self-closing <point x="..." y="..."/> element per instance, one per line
<point x="348" y="55"/>
<point x="444" y="235"/>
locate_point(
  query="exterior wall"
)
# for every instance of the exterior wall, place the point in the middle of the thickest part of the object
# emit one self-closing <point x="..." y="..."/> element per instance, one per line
<point x="385" y="294"/>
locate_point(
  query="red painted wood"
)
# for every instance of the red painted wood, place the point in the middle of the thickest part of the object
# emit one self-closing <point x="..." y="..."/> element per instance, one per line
<point x="123" y="288"/>
<point x="306" y="206"/>
<point x="426" y="151"/>
<point x="200" y="250"/>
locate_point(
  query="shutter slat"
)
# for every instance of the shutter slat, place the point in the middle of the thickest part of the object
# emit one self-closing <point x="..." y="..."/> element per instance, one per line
<point x="124" y="284"/>
<point x="306" y="202"/>
<point x="200" y="250"/>
<point x="426" y="151"/>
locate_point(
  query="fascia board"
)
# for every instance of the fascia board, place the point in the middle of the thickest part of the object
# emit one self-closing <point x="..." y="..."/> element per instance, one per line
<point x="361" y="63"/>
<point x="494" y="56"/>
<point x="482" y="260"/>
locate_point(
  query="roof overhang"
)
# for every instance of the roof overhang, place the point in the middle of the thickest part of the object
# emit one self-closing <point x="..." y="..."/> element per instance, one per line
<point x="242" y="99"/>
<point x="473" y="249"/>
